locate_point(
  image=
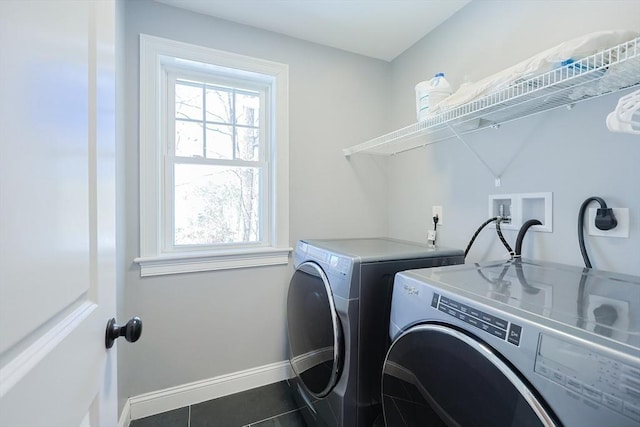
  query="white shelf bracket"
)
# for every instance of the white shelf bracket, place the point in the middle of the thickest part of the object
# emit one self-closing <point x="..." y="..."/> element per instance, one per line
<point x="497" y="178"/>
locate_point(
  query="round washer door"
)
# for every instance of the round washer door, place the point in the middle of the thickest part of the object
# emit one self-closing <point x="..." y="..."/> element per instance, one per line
<point x="313" y="327"/>
<point x="438" y="376"/>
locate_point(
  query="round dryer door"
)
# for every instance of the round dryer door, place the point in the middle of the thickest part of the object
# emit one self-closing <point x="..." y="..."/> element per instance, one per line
<point x="315" y="338"/>
<point x="438" y="376"/>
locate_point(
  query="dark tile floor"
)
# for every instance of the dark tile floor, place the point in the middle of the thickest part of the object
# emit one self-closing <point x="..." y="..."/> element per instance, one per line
<point x="268" y="406"/>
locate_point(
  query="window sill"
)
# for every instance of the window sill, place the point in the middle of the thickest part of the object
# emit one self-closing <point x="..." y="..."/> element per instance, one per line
<point x="190" y="263"/>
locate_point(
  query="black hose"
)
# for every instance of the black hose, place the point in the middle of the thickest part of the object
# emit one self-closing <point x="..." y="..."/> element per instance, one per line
<point x="522" y="232"/>
<point x="504" y="241"/>
<point x="473" y="238"/>
<point x="523" y="281"/>
<point x="581" y="298"/>
<point x="479" y="270"/>
<point x="583" y="208"/>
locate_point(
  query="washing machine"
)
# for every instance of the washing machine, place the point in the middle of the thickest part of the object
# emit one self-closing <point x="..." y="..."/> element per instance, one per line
<point x="338" y="320"/>
<point x="515" y="343"/>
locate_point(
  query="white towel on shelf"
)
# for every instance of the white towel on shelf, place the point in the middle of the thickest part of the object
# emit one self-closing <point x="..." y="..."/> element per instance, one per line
<point x="545" y="61"/>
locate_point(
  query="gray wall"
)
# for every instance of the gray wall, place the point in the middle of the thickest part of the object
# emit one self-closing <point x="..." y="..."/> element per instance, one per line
<point x="569" y="153"/>
<point x="198" y="326"/>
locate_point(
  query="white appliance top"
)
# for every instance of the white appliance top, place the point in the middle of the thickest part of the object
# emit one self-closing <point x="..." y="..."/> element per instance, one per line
<point x="380" y="249"/>
<point x="567" y="297"/>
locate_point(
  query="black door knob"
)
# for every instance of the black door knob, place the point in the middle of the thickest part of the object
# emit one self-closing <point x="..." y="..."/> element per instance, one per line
<point x="131" y="331"/>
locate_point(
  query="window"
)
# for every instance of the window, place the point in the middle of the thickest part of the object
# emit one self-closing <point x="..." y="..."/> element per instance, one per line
<point x="216" y="167"/>
<point x="213" y="159"/>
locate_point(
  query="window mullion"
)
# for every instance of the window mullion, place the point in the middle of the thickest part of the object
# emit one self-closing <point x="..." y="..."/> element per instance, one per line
<point x="204" y="120"/>
<point x="219" y="162"/>
<point x="267" y="225"/>
<point x="168" y="168"/>
<point x="233" y="123"/>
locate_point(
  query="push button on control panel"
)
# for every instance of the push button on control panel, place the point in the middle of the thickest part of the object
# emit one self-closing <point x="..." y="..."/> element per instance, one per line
<point x="631" y="411"/>
<point x="514" y="334"/>
<point x="434" y="300"/>
<point x="572" y="383"/>
<point x="592" y="393"/>
<point x="612" y="402"/>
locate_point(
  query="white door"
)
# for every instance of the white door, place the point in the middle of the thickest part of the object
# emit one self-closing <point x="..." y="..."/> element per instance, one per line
<point x="57" y="213"/>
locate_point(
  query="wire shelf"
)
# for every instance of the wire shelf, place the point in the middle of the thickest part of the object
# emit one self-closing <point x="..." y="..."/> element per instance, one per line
<point x="605" y="72"/>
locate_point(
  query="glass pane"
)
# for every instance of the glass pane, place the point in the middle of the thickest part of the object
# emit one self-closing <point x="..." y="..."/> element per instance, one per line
<point x="216" y="205"/>
<point x="248" y="144"/>
<point x="219" y="105"/>
<point x="247" y="109"/>
<point x="311" y="330"/>
<point x="432" y="378"/>
<point x="188" y="139"/>
<point x="219" y="142"/>
<point x="188" y="102"/>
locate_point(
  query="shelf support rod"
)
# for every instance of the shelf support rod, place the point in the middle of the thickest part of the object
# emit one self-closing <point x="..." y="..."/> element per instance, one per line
<point x="497" y="178"/>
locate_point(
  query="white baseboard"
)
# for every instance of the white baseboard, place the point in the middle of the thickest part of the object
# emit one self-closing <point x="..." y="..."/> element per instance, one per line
<point x="180" y="396"/>
<point x="125" y="416"/>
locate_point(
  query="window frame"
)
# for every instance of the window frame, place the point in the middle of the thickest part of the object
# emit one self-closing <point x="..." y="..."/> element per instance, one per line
<point x="158" y="58"/>
<point x="173" y="75"/>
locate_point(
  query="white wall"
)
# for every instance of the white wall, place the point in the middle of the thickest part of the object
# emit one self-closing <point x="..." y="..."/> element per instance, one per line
<point x="198" y="326"/>
<point x="569" y="153"/>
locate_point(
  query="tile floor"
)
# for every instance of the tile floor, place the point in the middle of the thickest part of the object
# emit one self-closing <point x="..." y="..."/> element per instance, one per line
<point x="268" y="406"/>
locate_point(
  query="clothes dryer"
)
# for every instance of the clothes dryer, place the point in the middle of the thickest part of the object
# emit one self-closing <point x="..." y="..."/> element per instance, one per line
<point x="338" y="317"/>
<point x="516" y="343"/>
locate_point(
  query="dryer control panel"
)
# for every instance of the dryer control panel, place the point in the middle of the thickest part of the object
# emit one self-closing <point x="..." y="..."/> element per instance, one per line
<point x="337" y="263"/>
<point x="602" y="380"/>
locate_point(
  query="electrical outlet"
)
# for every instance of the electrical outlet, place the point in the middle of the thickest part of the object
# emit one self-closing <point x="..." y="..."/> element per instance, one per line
<point x="437" y="210"/>
<point x="621" y="230"/>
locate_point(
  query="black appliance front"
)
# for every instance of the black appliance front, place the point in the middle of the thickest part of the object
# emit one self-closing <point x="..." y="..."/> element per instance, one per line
<point x="437" y="375"/>
<point x="315" y="336"/>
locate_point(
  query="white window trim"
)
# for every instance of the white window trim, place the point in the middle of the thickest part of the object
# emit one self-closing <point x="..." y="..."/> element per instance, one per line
<point x="152" y="261"/>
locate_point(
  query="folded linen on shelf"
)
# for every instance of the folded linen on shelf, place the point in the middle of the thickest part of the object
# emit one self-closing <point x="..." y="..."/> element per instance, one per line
<point x="566" y="52"/>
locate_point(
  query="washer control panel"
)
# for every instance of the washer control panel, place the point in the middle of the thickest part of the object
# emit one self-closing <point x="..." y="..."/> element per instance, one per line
<point x="489" y="323"/>
<point x="601" y="379"/>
